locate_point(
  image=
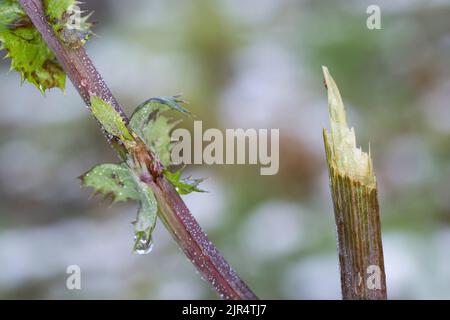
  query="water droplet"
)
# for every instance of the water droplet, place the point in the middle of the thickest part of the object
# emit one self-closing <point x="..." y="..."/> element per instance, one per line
<point x="143" y="244"/>
<point x="84" y="82"/>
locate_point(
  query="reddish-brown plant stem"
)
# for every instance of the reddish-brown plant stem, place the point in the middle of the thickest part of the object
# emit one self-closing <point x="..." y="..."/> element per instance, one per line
<point x="173" y="211"/>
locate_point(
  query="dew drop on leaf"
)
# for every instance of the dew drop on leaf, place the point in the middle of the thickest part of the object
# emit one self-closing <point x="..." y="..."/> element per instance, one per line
<point x="143" y="245"/>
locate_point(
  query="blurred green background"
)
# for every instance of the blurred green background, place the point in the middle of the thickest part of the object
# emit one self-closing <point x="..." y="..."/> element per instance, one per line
<point x="241" y="64"/>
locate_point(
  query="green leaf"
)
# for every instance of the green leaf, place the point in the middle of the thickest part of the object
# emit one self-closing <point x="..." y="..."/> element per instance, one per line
<point x="113" y="180"/>
<point x="157" y="137"/>
<point x="146" y="219"/>
<point x="121" y="183"/>
<point x="72" y="28"/>
<point x="29" y="54"/>
<point x="163" y="104"/>
<point x="183" y="186"/>
<point x="150" y="109"/>
<point x="10" y="11"/>
<point x="110" y="119"/>
<point x="153" y="128"/>
<point x="55" y="9"/>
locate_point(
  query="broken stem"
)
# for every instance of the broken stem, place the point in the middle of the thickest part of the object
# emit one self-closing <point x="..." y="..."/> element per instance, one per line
<point x="355" y="200"/>
<point x="174" y="213"/>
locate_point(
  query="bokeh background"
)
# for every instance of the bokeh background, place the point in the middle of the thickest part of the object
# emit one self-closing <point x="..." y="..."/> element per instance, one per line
<point x="241" y="64"/>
